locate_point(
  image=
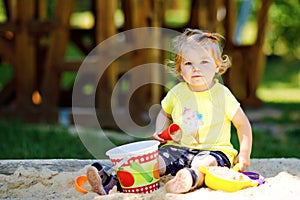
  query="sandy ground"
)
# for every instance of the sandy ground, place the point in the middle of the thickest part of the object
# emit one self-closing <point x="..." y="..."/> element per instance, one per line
<point x="282" y="182"/>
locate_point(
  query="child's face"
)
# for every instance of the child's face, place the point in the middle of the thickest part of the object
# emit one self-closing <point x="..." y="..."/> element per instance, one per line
<point x="198" y="68"/>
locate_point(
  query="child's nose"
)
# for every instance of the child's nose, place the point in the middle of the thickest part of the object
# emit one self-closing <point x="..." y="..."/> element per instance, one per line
<point x="195" y="68"/>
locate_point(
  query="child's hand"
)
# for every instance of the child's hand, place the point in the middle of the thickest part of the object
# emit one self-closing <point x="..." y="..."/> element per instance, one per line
<point x="156" y="137"/>
<point x="244" y="162"/>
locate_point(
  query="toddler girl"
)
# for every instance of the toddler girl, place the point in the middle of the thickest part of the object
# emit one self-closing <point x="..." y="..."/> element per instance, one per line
<point x="204" y="109"/>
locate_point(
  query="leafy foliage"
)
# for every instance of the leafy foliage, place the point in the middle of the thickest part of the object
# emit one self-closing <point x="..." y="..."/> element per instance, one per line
<point x="284" y="28"/>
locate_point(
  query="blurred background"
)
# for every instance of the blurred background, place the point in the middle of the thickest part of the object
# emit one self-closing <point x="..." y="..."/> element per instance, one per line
<point x="44" y="42"/>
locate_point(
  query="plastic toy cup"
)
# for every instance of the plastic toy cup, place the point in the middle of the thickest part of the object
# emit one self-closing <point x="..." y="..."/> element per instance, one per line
<point x="173" y="132"/>
<point x="79" y="182"/>
<point x="138" y="171"/>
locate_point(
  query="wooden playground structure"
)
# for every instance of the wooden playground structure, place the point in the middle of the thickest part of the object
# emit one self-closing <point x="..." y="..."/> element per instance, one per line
<point x="36" y="47"/>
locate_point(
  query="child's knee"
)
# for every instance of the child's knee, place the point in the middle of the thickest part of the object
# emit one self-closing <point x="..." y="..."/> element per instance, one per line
<point x="204" y="160"/>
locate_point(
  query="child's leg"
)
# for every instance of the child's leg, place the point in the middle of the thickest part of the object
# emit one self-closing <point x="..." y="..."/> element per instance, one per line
<point x="187" y="179"/>
<point x="202" y="160"/>
<point x="100" y="181"/>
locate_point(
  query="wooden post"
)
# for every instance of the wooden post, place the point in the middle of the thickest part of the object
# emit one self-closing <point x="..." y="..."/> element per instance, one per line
<point x="248" y="60"/>
<point x="146" y="13"/>
<point x="258" y="66"/>
<point x="156" y="55"/>
<point x="42" y="10"/>
<point x="25" y="55"/>
<point x="212" y="15"/>
<point x="194" y="21"/>
<point x="55" y="57"/>
<point x="140" y="17"/>
<point x="203" y="14"/>
<point x="105" y="27"/>
<point x="230" y="21"/>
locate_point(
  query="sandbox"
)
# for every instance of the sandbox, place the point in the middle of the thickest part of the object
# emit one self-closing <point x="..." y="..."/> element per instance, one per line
<point x="54" y="179"/>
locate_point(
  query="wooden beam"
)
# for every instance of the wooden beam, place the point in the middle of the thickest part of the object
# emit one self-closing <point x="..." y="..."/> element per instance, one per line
<point x="55" y="54"/>
<point x="105" y="28"/>
<point x="262" y="20"/>
<point x="11" y="10"/>
<point x="39" y="28"/>
<point x="212" y="15"/>
<point x="230" y="21"/>
<point x="258" y="66"/>
<point x="25" y="62"/>
<point x="127" y="9"/>
<point x="194" y="18"/>
<point x="70" y="66"/>
<point x="8" y="26"/>
<point x="42" y="10"/>
<point x="156" y="55"/>
<point x="104" y="19"/>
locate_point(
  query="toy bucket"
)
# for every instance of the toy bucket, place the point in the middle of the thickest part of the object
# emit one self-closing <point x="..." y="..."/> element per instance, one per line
<point x="136" y="166"/>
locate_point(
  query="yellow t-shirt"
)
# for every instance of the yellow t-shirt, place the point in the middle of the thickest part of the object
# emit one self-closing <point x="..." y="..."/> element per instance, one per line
<point x="204" y="117"/>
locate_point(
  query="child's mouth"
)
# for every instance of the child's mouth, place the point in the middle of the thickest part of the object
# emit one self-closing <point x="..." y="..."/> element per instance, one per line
<point x="197" y="76"/>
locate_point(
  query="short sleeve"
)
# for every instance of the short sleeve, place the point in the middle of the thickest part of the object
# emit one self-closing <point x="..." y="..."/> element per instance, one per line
<point x="231" y="104"/>
<point x="168" y="102"/>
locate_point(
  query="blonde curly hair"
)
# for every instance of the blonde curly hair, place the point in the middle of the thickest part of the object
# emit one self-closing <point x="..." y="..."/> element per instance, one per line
<point x="212" y="42"/>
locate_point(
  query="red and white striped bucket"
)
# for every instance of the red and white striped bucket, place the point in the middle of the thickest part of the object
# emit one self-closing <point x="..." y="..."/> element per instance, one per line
<point x="139" y="172"/>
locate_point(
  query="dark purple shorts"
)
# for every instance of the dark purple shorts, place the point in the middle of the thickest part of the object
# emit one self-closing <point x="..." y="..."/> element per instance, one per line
<point x="177" y="157"/>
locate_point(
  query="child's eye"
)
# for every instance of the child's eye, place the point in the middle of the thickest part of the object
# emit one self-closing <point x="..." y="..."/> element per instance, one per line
<point x="187" y="63"/>
<point x="204" y="61"/>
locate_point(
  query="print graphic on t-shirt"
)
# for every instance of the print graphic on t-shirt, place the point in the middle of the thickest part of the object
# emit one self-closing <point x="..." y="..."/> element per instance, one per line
<point x="191" y="121"/>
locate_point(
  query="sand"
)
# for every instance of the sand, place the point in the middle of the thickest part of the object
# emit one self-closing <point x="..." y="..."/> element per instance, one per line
<point x="282" y="182"/>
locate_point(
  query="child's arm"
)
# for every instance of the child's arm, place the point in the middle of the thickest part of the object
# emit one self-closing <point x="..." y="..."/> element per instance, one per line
<point x="163" y="121"/>
<point x="242" y="124"/>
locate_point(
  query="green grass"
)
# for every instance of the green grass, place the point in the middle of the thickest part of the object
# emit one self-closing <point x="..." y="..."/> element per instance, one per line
<point x="266" y="143"/>
<point x="281" y="81"/>
<point x="24" y="141"/>
<point x="42" y="141"/>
